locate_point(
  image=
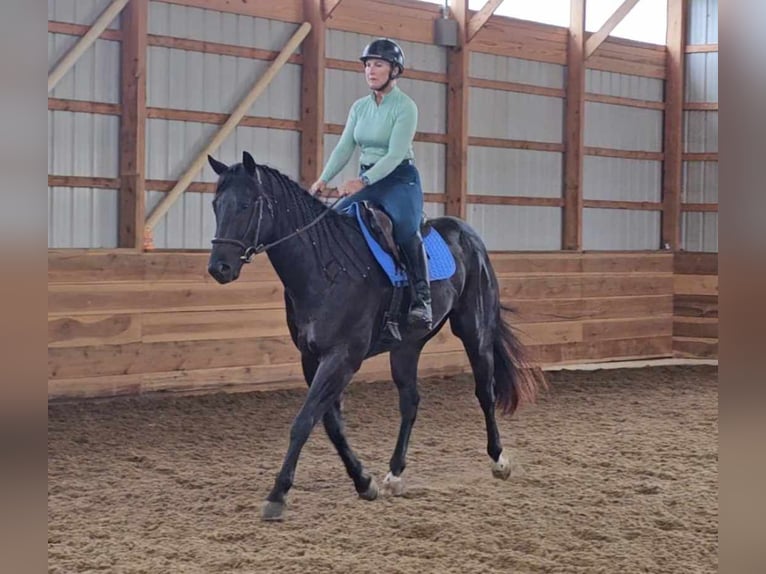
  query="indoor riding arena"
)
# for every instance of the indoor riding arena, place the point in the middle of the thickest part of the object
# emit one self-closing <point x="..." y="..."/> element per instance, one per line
<point x="585" y="159"/>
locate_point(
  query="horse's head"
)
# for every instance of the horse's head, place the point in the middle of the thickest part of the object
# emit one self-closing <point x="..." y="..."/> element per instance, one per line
<point x="243" y="217"/>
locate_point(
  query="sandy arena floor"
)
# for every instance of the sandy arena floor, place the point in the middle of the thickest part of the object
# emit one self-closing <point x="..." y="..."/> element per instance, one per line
<point x="616" y="472"/>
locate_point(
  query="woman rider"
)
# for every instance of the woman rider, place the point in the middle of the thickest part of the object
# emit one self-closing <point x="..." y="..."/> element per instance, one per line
<point x="383" y="125"/>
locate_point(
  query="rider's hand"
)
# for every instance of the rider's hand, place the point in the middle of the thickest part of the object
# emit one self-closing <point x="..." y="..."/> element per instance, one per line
<point x="350" y="187"/>
<point x="318" y="187"/>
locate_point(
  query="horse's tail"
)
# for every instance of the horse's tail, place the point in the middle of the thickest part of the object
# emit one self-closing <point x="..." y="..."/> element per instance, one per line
<point x="517" y="378"/>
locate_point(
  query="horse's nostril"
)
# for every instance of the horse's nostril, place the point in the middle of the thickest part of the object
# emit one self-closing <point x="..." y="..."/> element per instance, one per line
<point x="220" y="270"/>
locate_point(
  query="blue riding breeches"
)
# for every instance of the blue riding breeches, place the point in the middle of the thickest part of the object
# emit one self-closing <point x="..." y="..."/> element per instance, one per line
<point x="399" y="194"/>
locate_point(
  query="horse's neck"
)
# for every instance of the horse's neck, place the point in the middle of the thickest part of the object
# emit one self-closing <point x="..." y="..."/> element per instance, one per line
<point x="299" y="261"/>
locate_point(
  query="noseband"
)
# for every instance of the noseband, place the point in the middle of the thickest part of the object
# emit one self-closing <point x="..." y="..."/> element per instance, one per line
<point x="249" y="251"/>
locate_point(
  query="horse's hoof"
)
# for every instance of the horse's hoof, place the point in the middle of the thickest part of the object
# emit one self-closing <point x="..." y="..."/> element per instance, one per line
<point x="273" y="511"/>
<point x="502" y="467"/>
<point x="372" y="491"/>
<point x="393" y="485"/>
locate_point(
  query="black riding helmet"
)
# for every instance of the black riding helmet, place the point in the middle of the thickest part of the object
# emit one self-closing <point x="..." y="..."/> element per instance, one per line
<point x="385" y="49"/>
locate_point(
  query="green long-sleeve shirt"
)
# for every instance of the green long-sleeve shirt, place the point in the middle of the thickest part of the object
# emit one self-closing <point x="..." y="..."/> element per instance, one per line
<point x="383" y="132"/>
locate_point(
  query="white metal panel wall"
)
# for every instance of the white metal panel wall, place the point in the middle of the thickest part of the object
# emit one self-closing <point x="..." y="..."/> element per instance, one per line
<point x="516" y="227"/>
<point x="433" y="210"/>
<point x="700" y="231"/>
<point x="171" y="145"/>
<point x="82" y="217"/>
<point x="222" y="27"/>
<point x="506" y="69"/>
<point x="700" y="182"/>
<point x="96" y="75"/>
<point x="514" y="172"/>
<point x="82" y="144"/>
<point x="79" y="11"/>
<point x="700" y="178"/>
<point x="512" y="115"/>
<point x="348" y="46"/>
<point x="624" y="85"/>
<point x="700" y="131"/>
<point x="210" y="82"/>
<point x="188" y="80"/>
<point x="701" y="81"/>
<point x="185" y="80"/>
<point x="620" y="179"/>
<point x="188" y="224"/>
<point x="702" y="27"/>
<point x="623" y="127"/>
<point x="620" y="229"/>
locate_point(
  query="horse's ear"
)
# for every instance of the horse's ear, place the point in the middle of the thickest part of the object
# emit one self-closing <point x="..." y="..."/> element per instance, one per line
<point x="249" y="163"/>
<point x="217" y="166"/>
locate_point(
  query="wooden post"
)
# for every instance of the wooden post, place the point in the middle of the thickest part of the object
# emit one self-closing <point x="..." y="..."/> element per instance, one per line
<point x="457" y="117"/>
<point x="229" y="126"/>
<point x="132" y="198"/>
<point x="674" y="117"/>
<point x="71" y="57"/>
<point x="574" y="128"/>
<point x="312" y="94"/>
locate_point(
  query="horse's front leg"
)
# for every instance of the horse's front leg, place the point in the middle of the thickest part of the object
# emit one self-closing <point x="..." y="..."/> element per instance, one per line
<point x="332" y="375"/>
<point x="404" y="370"/>
<point x="333" y="424"/>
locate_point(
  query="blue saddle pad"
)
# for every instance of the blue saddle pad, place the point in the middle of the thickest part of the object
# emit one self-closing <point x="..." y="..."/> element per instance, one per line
<point x="441" y="263"/>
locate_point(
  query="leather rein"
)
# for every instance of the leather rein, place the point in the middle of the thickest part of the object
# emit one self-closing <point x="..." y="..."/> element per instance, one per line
<point x="249" y="251"/>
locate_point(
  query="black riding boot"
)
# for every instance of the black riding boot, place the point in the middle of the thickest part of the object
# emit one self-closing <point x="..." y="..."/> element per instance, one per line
<point x="416" y="260"/>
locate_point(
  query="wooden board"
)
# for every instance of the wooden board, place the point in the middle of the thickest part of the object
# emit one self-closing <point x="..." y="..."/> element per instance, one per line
<point x="123" y="322"/>
<point x="398" y="19"/>
<point x="579" y="285"/>
<point x="695" y="348"/>
<point x="695" y="306"/>
<point x="284" y="10"/>
<point x="148" y="296"/>
<point x="687" y="263"/>
<point x="696" y="327"/>
<point x="542" y="310"/>
<point x="695" y="284"/>
<point x="78" y="331"/>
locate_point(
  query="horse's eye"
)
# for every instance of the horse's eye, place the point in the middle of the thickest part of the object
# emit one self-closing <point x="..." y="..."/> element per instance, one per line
<point x="244" y="206"/>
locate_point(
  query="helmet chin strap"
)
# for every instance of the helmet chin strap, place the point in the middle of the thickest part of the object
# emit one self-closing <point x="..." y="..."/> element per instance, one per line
<point x="391" y="77"/>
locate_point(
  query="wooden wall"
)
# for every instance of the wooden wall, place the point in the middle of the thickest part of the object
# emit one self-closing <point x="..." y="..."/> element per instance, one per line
<point x="128" y="322"/>
<point x="695" y="305"/>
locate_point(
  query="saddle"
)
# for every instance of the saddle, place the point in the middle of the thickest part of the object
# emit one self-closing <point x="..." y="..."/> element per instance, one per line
<point x="382" y="229"/>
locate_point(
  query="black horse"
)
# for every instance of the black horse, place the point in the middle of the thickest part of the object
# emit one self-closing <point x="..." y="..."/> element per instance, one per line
<point x="336" y="297"/>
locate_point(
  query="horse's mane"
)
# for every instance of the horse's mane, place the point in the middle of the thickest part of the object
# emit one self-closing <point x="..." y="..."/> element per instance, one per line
<point x="336" y="232"/>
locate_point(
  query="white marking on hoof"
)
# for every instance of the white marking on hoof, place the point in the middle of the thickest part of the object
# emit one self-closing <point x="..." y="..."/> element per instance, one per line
<point x="502" y="467"/>
<point x="393" y="485"/>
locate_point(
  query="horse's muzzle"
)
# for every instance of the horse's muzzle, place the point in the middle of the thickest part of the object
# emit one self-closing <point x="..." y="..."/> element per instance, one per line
<point x="222" y="272"/>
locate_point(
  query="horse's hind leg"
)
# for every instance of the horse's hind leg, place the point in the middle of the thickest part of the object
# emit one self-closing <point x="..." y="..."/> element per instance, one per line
<point x="333" y="425"/>
<point x="404" y="370"/>
<point x="479" y="347"/>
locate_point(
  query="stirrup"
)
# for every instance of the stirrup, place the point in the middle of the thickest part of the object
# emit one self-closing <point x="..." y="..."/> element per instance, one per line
<point x="420" y="317"/>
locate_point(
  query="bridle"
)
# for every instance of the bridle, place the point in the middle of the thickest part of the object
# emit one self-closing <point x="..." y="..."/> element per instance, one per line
<point x="250" y="251"/>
